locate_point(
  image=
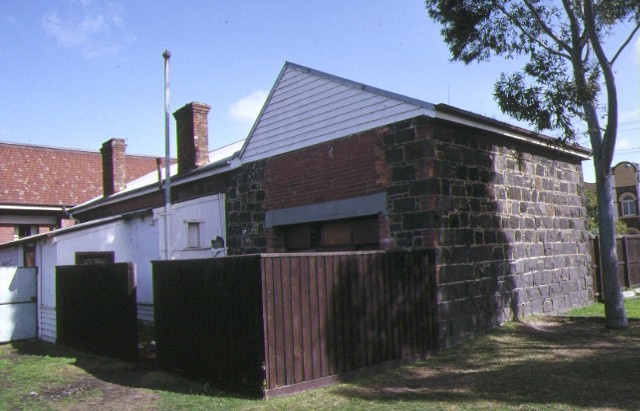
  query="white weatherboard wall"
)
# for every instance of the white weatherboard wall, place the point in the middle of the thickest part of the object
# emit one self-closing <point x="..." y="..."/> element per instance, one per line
<point x="208" y="213"/>
<point x="130" y="239"/>
<point x="307" y="107"/>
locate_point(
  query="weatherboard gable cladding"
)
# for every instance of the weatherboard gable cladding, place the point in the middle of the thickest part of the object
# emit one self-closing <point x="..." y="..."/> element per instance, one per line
<point x="308" y="107"/>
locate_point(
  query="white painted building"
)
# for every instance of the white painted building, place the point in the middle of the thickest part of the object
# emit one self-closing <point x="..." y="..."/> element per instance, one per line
<point x="135" y="238"/>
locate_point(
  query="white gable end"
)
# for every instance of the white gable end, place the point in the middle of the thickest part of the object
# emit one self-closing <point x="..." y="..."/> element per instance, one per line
<point x="306" y="107"/>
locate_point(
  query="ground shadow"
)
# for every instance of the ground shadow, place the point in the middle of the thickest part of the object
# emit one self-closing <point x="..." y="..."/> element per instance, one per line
<point x="141" y="374"/>
<point x="576" y="363"/>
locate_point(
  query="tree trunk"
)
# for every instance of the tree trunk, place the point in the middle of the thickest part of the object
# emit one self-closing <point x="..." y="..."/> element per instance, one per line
<point x="613" y="301"/>
<point x="602" y="147"/>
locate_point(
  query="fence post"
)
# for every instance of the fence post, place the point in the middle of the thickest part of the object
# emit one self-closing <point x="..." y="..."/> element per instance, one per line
<point x="598" y="268"/>
<point x="625" y="261"/>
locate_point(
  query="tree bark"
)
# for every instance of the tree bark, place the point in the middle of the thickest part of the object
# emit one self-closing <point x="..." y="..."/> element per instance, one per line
<point x="602" y="148"/>
<point x="613" y="301"/>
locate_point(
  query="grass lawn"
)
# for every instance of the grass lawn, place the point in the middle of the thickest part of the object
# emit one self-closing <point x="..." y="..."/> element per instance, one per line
<point x="540" y="364"/>
<point x="631" y="307"/>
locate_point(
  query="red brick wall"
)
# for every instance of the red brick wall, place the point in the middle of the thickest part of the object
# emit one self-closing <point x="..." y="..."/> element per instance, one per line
<point x="6" y="233"/>
<point x="192" y="135"/>
<point x="114" y="169"/>
<point x="344" y="168"/>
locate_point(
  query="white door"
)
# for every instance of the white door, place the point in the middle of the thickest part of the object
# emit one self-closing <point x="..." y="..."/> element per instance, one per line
<point x="18" y="315"/>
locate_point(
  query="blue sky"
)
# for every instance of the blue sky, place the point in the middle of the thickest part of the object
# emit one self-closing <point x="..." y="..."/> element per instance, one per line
<point x="74" y="73"/>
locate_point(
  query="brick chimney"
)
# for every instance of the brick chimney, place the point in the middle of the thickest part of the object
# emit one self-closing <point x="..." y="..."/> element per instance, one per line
<point x="114" y="168"/>
<point x="193" y="136"/>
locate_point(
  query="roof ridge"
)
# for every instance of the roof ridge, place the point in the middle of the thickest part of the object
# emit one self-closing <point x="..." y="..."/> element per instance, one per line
<point x="79" y="150"/>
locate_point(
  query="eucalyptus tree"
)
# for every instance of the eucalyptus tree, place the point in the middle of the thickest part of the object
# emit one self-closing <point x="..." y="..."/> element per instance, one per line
<point x="567" y="83"/>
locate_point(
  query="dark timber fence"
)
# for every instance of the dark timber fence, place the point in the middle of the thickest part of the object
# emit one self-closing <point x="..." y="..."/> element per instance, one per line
<point x="283" y="323"/>
<point x="628" y="249"/>
<point x="96" y="309"/>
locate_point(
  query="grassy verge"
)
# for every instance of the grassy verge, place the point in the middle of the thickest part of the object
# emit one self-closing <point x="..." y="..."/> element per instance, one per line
<point x="541" y="364"/>
<point x="631" y="307"/>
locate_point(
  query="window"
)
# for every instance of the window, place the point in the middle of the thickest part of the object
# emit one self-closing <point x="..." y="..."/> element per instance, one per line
<point x="193" y="234"/>
<point x="339" y="235"/>
<point x="98" y="257"/>
<point x="628" y="203"/>
<point x="23" y="230"/>
<point x="29" y="255"/>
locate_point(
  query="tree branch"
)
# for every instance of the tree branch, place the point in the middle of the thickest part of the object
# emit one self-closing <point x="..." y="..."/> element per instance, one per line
<point x="578" y="65"/>
<point x="609" y="138"/>
<point x="546" y="28"/>
<point x="627" y="41"/>
<point x="531" y="37"/>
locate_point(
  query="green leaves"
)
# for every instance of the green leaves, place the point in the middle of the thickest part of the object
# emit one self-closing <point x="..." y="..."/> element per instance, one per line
<point x="561" y="75"/>
<point x="547" y="107"/>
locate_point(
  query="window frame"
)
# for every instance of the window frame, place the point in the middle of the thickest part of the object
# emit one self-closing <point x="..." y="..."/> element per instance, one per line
<point x="188" y="245"/>
<point x="628" y="205"/>
<point x="95" y="257"/>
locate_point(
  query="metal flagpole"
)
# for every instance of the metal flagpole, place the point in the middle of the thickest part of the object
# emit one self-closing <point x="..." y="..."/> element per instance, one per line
<point x="167" y="165"/>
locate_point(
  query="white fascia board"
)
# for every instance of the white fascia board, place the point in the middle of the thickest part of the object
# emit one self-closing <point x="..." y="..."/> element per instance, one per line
<point x="29" y="208"/>
<point x="508" y="133"/>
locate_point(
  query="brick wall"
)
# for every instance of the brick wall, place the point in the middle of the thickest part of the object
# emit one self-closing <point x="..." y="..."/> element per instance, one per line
<point x="192" y="136"/>
<point x="114" y="167"/>
<point x="344" y="168"/>
<point x="507" y="220"/>
<point x="6" y="233"/>
<point x="349" y="167"/>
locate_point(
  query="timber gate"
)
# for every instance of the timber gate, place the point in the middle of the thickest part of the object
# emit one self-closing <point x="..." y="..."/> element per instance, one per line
<point x="96" y="309"/>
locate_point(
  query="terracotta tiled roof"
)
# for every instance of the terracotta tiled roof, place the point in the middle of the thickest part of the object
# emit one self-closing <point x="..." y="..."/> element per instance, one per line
<point x="36" y="175"/>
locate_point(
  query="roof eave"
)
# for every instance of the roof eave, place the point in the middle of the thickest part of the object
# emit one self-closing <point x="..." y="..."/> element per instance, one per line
<point x="456" y="115"/>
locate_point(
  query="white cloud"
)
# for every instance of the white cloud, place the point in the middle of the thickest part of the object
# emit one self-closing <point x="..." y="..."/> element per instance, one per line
<point x="96" y="28"/>
<point x="246" y="109"/>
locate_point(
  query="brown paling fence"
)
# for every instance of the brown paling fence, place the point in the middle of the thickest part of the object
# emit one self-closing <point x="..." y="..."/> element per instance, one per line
<point x="294" y="321"/>
<point x="628" y="250"/>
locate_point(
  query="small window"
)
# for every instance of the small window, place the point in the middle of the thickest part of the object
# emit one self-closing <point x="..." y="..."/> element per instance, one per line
<point x="339" y="235"/>
<point x="23" y="230"/>
<point x="628" y="205"/>
<point x="193" y="234"/>
<point x="98" y="257"/>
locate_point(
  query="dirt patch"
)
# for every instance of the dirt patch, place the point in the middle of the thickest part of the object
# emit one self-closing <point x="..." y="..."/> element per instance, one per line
<point x="92" y="381"/>
<point x="89" y="392"/>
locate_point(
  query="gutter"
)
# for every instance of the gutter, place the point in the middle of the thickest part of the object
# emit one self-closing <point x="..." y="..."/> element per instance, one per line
<point x="31" y="208"/>
<point x="176" y="180"/>
<point x="459" y="116"/>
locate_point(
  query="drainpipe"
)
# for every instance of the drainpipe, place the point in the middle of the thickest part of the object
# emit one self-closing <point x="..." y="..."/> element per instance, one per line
<point x="167" y="164"/>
